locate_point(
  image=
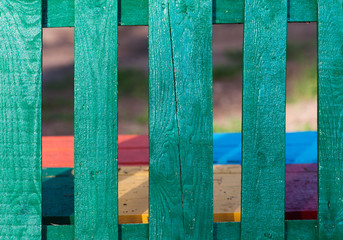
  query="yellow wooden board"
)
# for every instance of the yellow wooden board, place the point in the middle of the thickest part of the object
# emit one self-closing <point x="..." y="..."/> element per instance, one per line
<point x="134" y="193"/>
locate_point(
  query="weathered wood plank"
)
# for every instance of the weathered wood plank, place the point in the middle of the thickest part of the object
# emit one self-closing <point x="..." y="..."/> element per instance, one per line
<point x="330" y="128"/>
<point x="60" y="13"/>
<point x="58" y="232"/>
<point x="302" y="10"/>
<point x="301" y="230"/>
<point x="134" y="231"/>
<point x="20" y="119"/>
<point x="296" y="230"/>
<point x="263" y="133"/>
<point x="180" y="117"/>
<point x="96" y="200"/>
<point x="227" y="231"/>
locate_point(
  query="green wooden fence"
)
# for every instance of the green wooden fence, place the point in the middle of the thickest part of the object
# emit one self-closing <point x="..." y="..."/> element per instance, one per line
<point x="180" y="117"/>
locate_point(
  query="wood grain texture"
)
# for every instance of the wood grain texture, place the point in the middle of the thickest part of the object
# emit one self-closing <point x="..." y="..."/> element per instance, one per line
<point x="330" y="128"/>
<point x="60" y="13"/>
<point x="20" y="119"/>
<point x="134" y="231"/>
<point x="58" y="232"/>
<point x="227" y="231"/>
<point x="180" y="117"/>
<point x="295" y="230"/>
<point x="302" y="10"/>
<point x="263" y="128"/>
<point x="96" y="155"/>
<point x="301" y="230"/>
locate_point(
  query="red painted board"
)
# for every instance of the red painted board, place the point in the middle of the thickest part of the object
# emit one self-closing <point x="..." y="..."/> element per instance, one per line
<point x="58" y="151"/>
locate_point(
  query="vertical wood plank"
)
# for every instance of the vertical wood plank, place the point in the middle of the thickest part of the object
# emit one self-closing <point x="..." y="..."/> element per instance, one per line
<point x="180" y="117"/>
<point x="330" y="127"/>
<point x="20" y="119"/>
<point x="96" y="180"/>
<point x="264" y="88"/>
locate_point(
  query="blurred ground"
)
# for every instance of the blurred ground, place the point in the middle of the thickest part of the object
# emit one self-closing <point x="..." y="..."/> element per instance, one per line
<point x="58" y="57"/>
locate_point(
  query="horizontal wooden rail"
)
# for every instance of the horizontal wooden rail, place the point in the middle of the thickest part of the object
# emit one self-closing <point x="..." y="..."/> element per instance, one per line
<point x="221" y="231"/>
<point x="60" y="13"/>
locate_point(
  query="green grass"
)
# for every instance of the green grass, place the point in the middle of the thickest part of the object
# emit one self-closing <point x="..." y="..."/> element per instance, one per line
<point x="58" y="101"/>
<point x="231" y="125"/>
<point x="58" y="94"/>
<point x="232" y="69"/>
<point x="143" y="118"/>
<point x="300" y="51"/>
<point x="304" y="87"/>
<point x="307" y="127"/>
<point x="133" y="83"/>
<point x="67" y="117"/>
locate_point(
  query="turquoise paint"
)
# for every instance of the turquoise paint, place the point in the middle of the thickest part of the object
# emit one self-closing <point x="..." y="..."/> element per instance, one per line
<point x="330" y="128"/>
<point x="95" y="122"/>
<point x="263" y="120"/>
<point x="60" y="13"/>
<point x="20" y="115"/>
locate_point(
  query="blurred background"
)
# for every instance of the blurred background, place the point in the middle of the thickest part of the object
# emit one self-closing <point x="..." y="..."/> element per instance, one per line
<point x="58" y="74"/>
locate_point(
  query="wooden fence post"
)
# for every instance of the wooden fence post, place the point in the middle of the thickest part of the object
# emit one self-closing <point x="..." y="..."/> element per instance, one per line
<point x="330" y="119"/>
<point x="263" y="133"/>
<point x="20" y="119"/>
<point x="96" y="180"/>
<point x="180" y="118"/>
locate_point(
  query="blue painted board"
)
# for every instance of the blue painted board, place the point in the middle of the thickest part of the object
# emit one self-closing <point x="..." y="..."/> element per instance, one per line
<point x="301" y="147"/>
